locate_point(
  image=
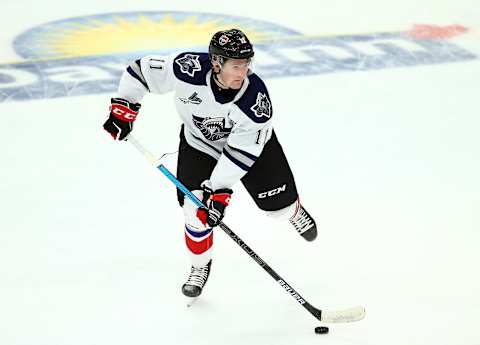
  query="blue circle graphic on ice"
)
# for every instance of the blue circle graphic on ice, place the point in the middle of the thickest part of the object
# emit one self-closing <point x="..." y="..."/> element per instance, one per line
<point x="121" y="33"/>
<point x="87" y="55"/>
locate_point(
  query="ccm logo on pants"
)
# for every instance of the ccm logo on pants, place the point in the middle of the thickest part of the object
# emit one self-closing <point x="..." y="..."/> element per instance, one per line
<point x="272" y="192"/>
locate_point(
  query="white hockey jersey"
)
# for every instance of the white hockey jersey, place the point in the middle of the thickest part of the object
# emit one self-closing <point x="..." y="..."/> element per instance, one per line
<point x="234" y="132"/>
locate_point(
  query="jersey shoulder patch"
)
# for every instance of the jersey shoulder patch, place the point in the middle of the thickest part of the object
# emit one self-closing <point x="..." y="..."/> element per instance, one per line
<point x="255" y="102"/>
<point x="192" y="67"/>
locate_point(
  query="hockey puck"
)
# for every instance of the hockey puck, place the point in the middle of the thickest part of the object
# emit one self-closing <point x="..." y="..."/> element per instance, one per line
<point x="321" y="330"/>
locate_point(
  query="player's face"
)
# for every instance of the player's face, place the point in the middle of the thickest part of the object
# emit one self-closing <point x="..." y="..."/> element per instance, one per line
<point x="234" y="72"/>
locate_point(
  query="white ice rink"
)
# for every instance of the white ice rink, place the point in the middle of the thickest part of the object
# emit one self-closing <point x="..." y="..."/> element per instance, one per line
<point x="386" y="159"/>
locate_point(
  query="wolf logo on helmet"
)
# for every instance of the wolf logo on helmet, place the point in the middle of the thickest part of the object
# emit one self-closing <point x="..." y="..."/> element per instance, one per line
<point x="223" y="40"/>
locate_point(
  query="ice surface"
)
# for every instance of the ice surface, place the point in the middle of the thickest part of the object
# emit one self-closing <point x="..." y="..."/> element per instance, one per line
<point x="91" y="237"/>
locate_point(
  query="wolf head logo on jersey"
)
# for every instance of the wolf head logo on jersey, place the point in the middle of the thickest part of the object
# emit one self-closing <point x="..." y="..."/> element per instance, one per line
<point x="212" y="128"/>
<point x="262" y="107"/>
<point x="189" y="64"/>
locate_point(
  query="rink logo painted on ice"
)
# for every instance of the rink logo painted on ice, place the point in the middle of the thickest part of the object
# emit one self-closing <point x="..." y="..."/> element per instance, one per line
<point x="128" y="32"/>
<point x="63" y="62"/>
<point x="87" y="55"/>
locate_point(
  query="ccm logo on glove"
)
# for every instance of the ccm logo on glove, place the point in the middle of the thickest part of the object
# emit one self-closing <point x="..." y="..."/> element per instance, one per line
<point x="124" y="113"/>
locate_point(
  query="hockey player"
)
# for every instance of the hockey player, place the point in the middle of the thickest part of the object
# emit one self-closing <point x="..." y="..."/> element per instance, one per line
<point x="226" y="137"/>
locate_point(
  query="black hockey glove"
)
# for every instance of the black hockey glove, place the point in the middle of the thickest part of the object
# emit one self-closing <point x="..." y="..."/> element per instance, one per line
<point x="122" y="114"/>
<point x="216" y="202"/>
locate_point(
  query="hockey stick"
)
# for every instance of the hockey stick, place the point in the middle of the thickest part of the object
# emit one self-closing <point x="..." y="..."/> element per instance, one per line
<point x="333" y="316"/>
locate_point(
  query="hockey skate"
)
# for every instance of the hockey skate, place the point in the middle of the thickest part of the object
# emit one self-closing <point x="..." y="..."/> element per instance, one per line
<point x="195" y="282"/>
<point x="304" y="224"/>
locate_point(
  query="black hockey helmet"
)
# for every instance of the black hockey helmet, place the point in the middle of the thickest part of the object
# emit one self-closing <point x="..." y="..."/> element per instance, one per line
<point x="230" y="44"/>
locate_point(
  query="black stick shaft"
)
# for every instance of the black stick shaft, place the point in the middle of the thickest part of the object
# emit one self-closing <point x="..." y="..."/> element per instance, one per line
<point x="317" y="313"/>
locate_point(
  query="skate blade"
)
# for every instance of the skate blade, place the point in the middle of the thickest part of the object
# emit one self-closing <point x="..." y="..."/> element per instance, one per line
<point x="190" y="300"/>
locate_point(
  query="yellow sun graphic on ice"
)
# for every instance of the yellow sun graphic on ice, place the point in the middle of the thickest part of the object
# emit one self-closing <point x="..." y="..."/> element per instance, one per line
<point x="142" y="33"/>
